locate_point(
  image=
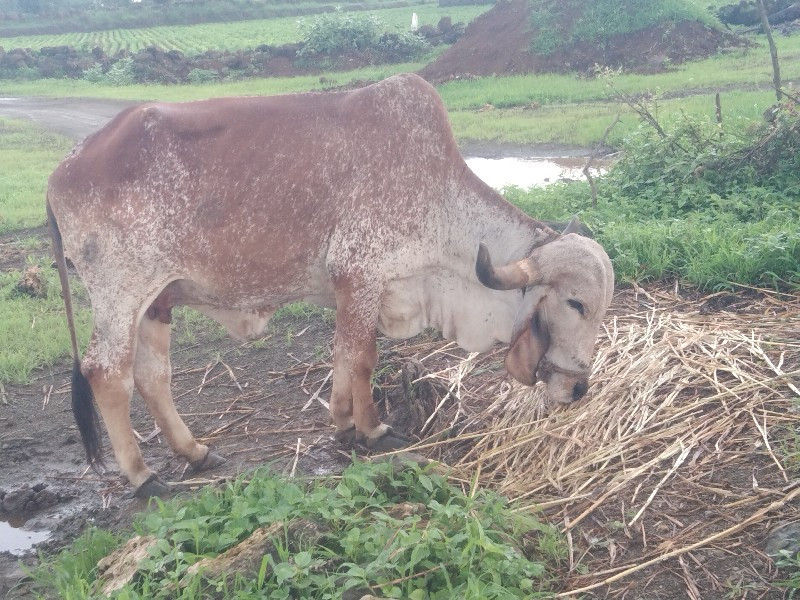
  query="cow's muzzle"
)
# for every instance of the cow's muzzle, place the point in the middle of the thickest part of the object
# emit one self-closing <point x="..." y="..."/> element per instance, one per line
<point x="574" y="381"/>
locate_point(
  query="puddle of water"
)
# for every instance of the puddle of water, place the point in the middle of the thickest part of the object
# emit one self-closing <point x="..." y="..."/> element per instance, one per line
<point x="530" y="172"/>
<point x="19" y="541"/>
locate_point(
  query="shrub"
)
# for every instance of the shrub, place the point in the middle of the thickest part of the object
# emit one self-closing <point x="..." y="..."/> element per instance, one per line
<point x="397" y="47"/>
<point x="94" y="73"/>
<point x="713" y="205"/>
<point x="340" y="32"/>
<point x="27" y="73"/>
<point x="700" y="166"/>
<point x="202" y="76"/>
<point x="121" y="72"/>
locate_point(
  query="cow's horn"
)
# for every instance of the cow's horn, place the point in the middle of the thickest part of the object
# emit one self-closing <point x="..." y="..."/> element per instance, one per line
<point x="514" y="276"/>
<point x="574" y="226"/>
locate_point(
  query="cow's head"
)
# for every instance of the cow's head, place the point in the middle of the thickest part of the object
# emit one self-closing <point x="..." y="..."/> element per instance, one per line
<point x="567" y="286"/>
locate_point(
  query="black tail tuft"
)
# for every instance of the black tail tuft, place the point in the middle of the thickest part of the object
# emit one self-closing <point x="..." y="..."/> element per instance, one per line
<point x="86" y="416"/>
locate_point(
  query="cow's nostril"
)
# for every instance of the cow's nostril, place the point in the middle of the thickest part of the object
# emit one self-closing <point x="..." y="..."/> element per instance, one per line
<point x="579" y="390"/>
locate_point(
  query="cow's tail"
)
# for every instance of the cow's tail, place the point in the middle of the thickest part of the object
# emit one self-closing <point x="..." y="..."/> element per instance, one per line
<point x="82" y="397"/>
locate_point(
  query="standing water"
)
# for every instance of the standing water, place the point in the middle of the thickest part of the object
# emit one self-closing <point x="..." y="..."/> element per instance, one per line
<point x="526" y="172"/>
<point x="18" y="541"/>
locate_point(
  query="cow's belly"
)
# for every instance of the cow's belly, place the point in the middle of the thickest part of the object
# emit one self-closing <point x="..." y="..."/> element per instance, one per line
<point x="474" y="316"/>
<point x="244" y="313"/>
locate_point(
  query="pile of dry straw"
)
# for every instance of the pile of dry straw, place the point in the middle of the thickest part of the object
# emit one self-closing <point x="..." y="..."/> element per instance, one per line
<point x="688" y="427"/>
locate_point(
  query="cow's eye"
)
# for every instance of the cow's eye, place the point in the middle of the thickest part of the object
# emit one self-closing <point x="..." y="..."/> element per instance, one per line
<point x="576" y="305"/>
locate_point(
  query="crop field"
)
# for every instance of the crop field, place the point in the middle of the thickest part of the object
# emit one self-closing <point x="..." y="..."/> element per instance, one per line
<point x="196" y="39"/>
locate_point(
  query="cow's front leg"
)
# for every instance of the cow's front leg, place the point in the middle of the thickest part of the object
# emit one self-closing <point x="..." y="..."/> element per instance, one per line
<point x="355" y="356"/>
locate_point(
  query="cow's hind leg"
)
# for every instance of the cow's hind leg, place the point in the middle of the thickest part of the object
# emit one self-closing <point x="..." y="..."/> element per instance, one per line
<point x="108" y="369"/>
<point x="152" y="375"/>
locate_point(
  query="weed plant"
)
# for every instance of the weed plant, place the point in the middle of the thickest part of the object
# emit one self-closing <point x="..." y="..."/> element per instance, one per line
<point x="789" y="563"/>
<point x="449" y="545"/>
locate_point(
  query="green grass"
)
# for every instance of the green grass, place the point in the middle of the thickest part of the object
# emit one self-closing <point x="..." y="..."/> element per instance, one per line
<point x="77" y="88"/>
<point x="196" y="39"/>
<point x="704" y="252"/>
<point x="584" y="124"/>
<point x="33" y="153"/>
<point x="452" y="545"/>
<point x="33" y="331"/>
<point x="67" y="575"/>
<point x="741" y="68"/>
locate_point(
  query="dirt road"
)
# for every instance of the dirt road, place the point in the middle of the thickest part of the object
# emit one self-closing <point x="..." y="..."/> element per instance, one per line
<point x="73" y="117"/>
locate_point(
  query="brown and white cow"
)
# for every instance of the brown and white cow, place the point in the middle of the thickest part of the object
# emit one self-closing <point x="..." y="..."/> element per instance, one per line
<point x="359" y="201"/>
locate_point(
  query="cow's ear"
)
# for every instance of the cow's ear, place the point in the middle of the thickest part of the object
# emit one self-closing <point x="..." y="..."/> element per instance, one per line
<point x="528" y="349"/>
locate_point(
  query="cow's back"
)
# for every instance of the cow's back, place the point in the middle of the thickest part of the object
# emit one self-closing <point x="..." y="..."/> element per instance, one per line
<point x="227" y="188"/>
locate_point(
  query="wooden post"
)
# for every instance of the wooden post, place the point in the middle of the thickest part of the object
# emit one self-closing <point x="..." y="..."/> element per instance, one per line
<point x="773" y="51"/>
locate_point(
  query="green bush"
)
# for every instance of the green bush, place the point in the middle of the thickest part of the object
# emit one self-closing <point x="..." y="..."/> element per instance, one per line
<point x="94" y="73"/>
<point x="26" y="73"/>
<point x="402" y="46"/>
<point x="119" y="74"/>
<point x="713" y="205"/>
<point x="340" y="32"/>
<point x="196" y="76"/>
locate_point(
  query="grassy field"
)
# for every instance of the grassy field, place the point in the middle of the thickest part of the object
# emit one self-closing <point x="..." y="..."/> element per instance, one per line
<point x="196" y="39"/>
<point x="34" y="153"/>
<point x="32" y="331"/>
<point x="527" y="109"/>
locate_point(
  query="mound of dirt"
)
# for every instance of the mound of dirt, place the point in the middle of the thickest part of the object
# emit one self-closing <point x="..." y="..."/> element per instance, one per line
<point x="499" y="43"/>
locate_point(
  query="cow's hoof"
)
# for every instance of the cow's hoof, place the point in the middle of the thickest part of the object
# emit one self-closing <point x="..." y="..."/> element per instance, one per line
<point x="154" y="486"/>
<point x="391" y="440"/>
<point x="209" y="461"/>
<point x="346" y="436"/>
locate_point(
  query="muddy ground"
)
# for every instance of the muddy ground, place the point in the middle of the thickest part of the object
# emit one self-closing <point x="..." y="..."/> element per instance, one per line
<point x="247" y="401"/>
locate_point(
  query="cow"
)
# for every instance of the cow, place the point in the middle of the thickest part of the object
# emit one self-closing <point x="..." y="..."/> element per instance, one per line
<point x="357" y="200"/>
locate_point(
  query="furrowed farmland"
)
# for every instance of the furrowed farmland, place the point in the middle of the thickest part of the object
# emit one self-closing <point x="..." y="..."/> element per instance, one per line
<point x="196" y="39"/>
